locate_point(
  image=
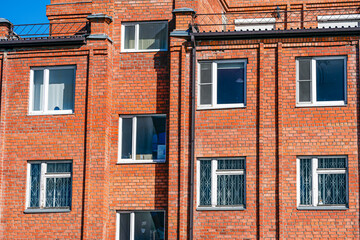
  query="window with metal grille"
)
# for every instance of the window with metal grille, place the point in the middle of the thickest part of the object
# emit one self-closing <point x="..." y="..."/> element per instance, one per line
<point x="322" y="181"/>
<point x="49" y="185"/>
<point x="221" y="183"/>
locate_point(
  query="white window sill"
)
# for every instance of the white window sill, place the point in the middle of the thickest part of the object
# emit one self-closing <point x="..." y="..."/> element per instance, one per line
<point x="143" y="51"/>
<point x="220" y="107"/>
<point x="221" y="208"/>
<point x="127" y="161"/>
<point x="66" y="112"/>
<point x="322" y="104"/>
<point x="322" y="207"/>
<point x="47" y="210"/>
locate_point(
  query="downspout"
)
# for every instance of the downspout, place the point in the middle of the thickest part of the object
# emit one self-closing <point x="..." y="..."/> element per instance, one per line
<point x="192" y="137"/>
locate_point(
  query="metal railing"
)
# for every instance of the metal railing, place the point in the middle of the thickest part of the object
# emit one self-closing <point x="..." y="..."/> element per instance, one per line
<point x="49" y="30"/>
<point x="276" y="20"/>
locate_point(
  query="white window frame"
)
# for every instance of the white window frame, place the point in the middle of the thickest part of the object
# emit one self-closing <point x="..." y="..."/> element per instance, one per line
<point x="314" y="102"/>
<point x="214" y="174"/>
<point x="255" y="24"/>
<point x="43" y="176"/>
<point x="136" y="49"/>
<point x="134" y="130"/>
<point x="132" y="222"/>
<point x="214" y="104"/>
<point x="46" y="79"/>
<point x="315" y="186"/>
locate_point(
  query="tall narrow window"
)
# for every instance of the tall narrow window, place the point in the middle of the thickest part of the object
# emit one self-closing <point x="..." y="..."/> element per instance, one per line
<point x="49" y="186"/>
<point x="222" y="84"/>
<point x="322" y="182"/>
<point x="221" y="183"/>
<point x="52" y="90"/>
<point x="144" y="36"/>
<point x="142" y="139"/>
<point x="321" y="81"/>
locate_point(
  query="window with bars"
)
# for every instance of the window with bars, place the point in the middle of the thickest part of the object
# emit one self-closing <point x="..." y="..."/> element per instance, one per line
<point x="49" y="185"/>
<point x="221" y="183"/>
<point x="322" y="182"/>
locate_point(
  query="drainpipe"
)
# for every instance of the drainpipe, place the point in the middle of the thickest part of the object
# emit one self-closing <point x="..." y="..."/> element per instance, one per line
<point x="192" y="138"/>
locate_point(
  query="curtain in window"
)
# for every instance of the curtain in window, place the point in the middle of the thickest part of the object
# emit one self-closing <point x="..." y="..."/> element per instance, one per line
<point x="152" y="36"/>
<point x="61" y="89"/>
<point x="38" y="91"/>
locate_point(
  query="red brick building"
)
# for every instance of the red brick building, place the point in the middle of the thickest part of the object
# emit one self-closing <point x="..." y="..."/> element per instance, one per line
<point x="209" y="119"/>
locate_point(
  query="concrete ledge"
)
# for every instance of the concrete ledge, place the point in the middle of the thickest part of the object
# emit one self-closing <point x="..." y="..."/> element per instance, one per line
<point x="4" y="20"/>
<point x="46" y="210"/>
<point x="100" y="16"/>
<point x="99" y="37"/>
<point x="183" y="10"/>
<point x="180" y="33"/>
<point x="324" y="208"/>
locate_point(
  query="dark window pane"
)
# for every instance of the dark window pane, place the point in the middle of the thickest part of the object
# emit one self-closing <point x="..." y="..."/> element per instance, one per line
<point x="205" y="73"/>
<point x="151" y="138"/>
<point x="129" y="37"/>
<point x="126" y="138"/>
<point x="332" y="189"/>
<point x="232" y="164"/>
<point x="35" y="172"/>
<point x="205" y="182"/>
<point x="305" y="91"/>
<point x="230" y="83"/>
<point x="330" y="82"/>
<point x="38" y="91"/>
<point x="61" y="89"/>
<point x="58" y="167"/>
<point x="332" y="163"/>
<point x="205" y="94"/>
<point x="152" y="36"/>
<point x="304" y="69"/>
<point x="124" y="226"/>
<point x="230" y="190"/>
<point x="58" y="192"/>
<point x="305" y="182"/>
<point x="149" y="226"/>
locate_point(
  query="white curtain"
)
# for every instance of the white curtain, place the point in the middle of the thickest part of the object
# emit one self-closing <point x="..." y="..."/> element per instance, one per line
<point x="61" y="89"/>
<point x="38" y="90"/>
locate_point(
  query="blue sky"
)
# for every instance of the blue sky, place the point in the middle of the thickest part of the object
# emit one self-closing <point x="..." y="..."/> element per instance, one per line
<point x="24" y="11"/>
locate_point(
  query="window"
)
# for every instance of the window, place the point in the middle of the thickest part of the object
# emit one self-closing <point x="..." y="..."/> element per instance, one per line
<point x="52" y="90"/>
<point x="322" y="182"/>
<point x="144" y="36"/>
<point x="142" y="139"/>
<point x="49" y="186"/>
<point x="222" y="84"/>
<point x="321" y="81"/>
<point x="149" y="225"/>
<point x="221" y="183"/>
<point x="255" y="24"/>
<point x="339" y="21"/>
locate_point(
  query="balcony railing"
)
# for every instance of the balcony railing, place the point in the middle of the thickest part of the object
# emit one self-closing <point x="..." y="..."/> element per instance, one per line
<point x="277" y="20"/>
<point x="48" y="30"/>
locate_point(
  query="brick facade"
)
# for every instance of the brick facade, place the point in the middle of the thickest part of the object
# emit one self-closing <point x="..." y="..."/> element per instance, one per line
<point x="270" y="132"/>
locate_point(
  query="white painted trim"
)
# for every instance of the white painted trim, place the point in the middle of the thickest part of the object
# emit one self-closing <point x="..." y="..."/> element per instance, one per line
<point x="28" y="179"/>
<point x="342" y="17"/>
<point x="197" y="183"/>
<point x="136" y="49"/>
<point x="132" y="225"/>
<point x="213" y="183"/>
<point x="297" y="182"/>
<point x="249" y="21"/>
<point x="214" y="104"/>
<point x="117" y="234"/>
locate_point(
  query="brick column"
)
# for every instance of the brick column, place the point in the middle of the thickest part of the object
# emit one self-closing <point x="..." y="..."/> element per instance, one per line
<point x="5" y="28"/>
